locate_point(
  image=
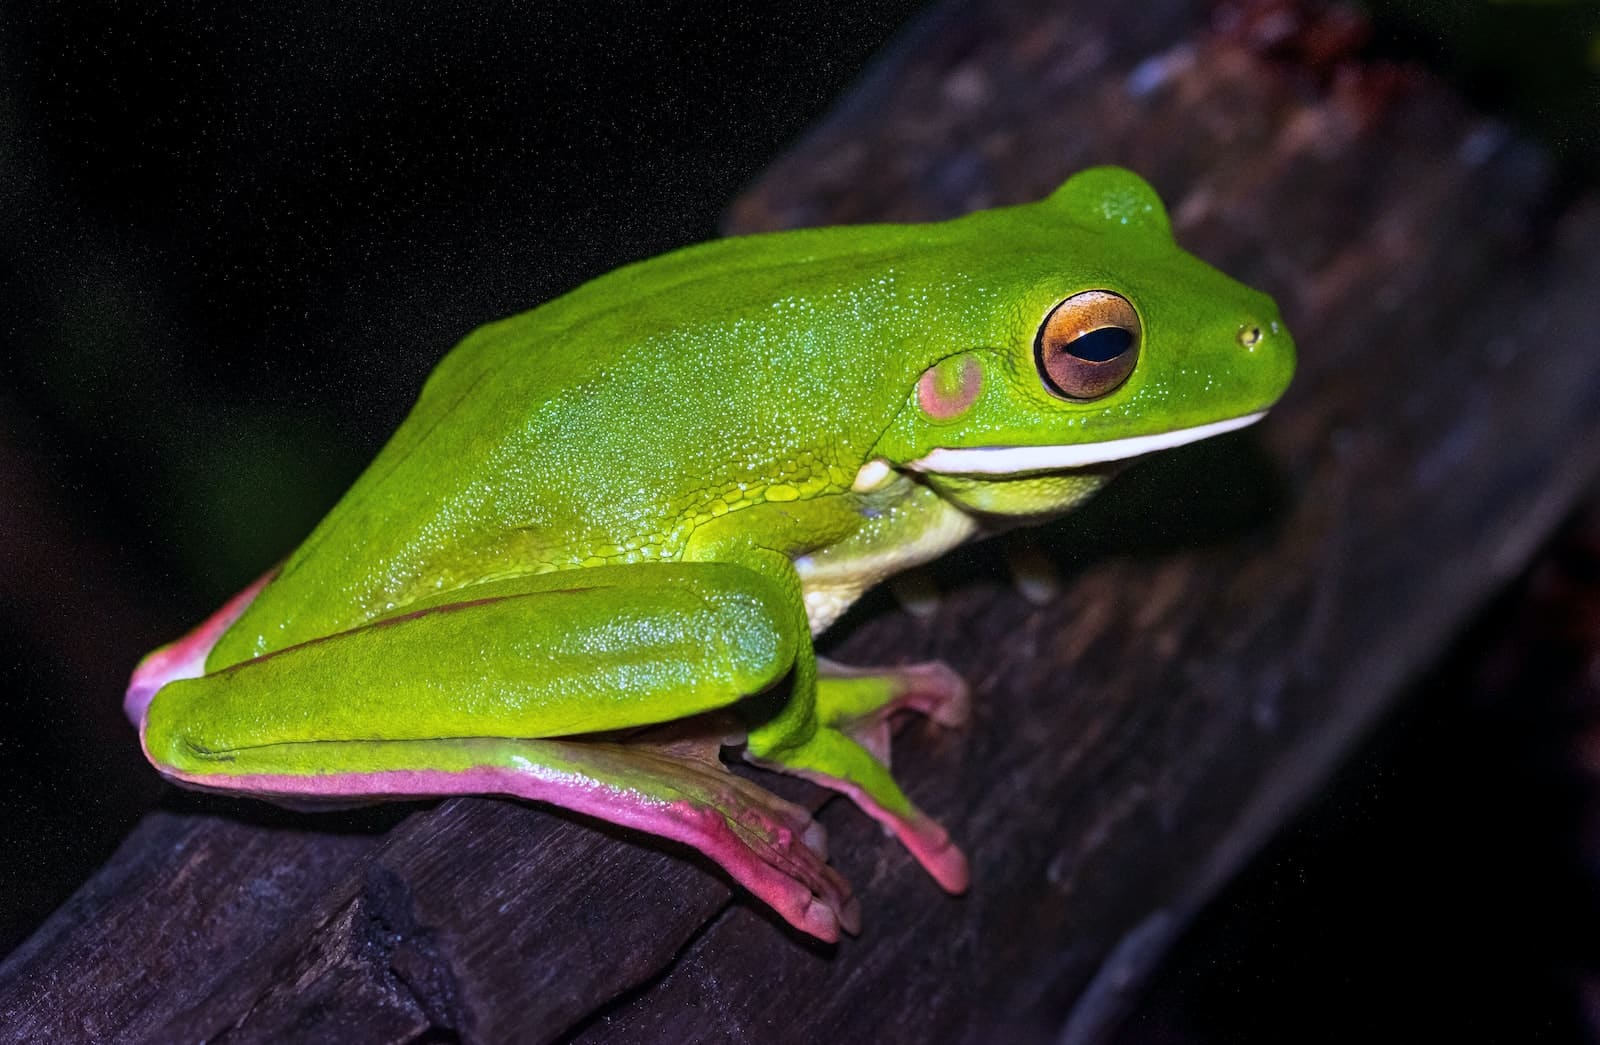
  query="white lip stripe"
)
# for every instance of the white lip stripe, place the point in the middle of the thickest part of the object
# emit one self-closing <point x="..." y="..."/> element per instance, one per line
<point x="1003" y="460"/>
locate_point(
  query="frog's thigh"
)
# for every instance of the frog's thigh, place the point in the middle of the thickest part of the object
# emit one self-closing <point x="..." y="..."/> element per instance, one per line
<point x="547" y="656"/>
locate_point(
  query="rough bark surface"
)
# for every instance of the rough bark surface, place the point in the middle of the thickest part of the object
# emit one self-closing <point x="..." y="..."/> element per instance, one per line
<point x="1227" y="622"/>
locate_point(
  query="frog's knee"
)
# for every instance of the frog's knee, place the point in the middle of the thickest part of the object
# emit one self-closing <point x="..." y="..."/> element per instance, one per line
<point x="749" y="626"/>
<point x="759" y="647"/>
<point x="165" y="736"/>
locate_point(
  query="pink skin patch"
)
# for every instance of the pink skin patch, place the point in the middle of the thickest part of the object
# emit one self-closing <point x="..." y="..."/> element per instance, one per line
<point x="949" y="387"/>
<point x="185" y="658"/>
<point x="771" y="847"/>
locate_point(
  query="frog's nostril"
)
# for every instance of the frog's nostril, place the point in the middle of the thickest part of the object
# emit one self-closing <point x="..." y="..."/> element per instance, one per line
<point x="1249" y="336"/>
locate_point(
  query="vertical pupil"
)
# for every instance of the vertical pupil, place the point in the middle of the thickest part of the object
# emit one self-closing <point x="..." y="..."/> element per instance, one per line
<point x="1097" y="346"/>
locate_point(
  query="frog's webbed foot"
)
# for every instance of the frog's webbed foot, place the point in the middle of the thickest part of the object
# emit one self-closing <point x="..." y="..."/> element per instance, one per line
<point x="862" y="702"/>
<point x="849" y="752"/>
<point x="770" y="846"/>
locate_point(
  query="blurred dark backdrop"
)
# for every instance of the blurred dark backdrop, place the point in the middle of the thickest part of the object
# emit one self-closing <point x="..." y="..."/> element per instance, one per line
<point x="234" y="242"/>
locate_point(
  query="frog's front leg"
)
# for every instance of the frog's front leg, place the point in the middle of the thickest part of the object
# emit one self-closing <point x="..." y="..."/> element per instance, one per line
<point x="520" y="687"/>
<point x="847" y="749"/>
<point x="832" y="729"/>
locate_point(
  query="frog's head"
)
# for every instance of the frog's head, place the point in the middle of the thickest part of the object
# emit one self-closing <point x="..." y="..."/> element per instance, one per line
<point x="1101" y="341"/>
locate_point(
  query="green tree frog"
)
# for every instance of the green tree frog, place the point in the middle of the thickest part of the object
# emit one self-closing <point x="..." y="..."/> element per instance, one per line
<point x="598" y="549"/>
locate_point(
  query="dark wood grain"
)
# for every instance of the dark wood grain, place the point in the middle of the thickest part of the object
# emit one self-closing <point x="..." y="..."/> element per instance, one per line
<point x="1230" y="618"/>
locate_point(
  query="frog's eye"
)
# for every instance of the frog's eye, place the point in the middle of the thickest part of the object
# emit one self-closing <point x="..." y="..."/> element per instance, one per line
<point x="1087" y="345"/>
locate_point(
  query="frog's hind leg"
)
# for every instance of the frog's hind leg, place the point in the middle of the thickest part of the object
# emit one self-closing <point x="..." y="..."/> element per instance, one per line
<point x="849" y="750"/>
<point x="527" y="687"/>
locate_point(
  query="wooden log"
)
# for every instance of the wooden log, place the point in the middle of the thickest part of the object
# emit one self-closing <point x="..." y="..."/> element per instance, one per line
<point x="1230" y="620"/>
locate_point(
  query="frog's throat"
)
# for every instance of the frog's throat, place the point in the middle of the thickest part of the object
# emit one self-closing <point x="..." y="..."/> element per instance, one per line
<point x="1009" y="460"/>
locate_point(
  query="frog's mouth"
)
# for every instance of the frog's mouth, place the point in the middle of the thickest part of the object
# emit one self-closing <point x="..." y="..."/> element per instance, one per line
<point x="1010" y="460"/>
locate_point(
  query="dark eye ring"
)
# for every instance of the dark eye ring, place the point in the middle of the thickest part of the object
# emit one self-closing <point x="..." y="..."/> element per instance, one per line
<point x="1088" y="345"/>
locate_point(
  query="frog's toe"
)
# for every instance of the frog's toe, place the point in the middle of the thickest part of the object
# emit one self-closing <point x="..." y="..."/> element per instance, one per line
<point x="824" y="920"/>
<point x="935" y="689"/>
<point x="931" y="844"/>
<point x="850" y="916"/>
<point x="1036" y="578"/>
<point x="783" y="870"/>
<point x="818" y="920"/>
<point x="816" y="839"/>
<point x="924" y="837"/>
<point x="776" y="850"/>
<point x="916" y="593"/>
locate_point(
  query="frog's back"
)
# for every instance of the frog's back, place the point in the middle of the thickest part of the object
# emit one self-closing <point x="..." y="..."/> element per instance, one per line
<point x="591" y="428"/>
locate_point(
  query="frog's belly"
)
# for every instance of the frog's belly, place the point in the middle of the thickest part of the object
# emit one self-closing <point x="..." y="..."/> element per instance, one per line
<point x="833" y="579"/>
